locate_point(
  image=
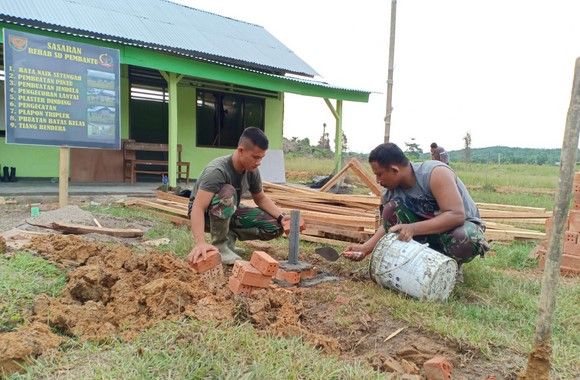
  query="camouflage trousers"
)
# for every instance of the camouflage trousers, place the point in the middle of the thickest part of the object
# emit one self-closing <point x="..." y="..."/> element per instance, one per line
<point x="247" y="223"/>
<point x="462" y="243"/>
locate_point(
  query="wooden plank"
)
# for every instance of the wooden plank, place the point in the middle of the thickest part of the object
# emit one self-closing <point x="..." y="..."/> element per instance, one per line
<point x="171" y="197"/>
<point x="514" y="214"/>
<point x="501" y="207"/>
<point x="541" y="221"/>
<point x="173" y="210"/>
<point x="344" y="220"/>
<point x="363" y="175"/>
<point x="316" y="239"/>
<point x="331" y="182"/>
<point x="80" y="229"/>
<point x="338" y="210"/>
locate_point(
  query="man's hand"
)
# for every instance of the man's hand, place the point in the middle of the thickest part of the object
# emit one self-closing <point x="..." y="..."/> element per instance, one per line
<point x="356" y="252"/>
<point x="405" y="231"/>
<point x="199" y="251"/>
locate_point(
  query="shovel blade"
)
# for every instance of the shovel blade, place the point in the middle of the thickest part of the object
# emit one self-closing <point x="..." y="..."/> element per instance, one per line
<point x="327" y="253"/>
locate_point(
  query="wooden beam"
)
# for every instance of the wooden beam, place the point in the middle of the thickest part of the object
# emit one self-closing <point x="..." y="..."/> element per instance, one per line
<point x="331" y="182"/>
<point x="80" y="229"/>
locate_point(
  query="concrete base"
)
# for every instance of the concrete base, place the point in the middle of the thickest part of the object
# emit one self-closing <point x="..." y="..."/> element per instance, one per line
<point x="300" y="267"/>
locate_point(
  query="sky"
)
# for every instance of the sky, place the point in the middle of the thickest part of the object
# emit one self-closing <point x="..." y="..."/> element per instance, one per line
<point x="499" y="69"/>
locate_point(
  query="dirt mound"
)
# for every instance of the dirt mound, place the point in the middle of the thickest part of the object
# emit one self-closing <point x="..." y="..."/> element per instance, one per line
<point x="19" y="347"/>
<point x="278" y="311"/>
<point x="112" y="291"/>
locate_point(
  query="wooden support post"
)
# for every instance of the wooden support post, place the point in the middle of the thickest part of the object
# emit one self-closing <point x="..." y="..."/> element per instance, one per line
<point x="172" y="81"/>
<point x="63" y="174"/>
<point x="538" y="366"/>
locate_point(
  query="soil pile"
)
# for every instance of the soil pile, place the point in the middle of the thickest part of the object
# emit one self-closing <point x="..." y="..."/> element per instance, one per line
<point x="16" y="348"/>
<point x="115" y="292"/>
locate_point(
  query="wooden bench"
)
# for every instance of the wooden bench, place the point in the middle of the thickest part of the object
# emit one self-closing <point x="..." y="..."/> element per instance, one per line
<point x="133" y="165"/>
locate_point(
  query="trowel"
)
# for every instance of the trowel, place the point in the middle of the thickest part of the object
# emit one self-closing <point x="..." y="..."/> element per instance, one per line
<point x="327" y="253"/>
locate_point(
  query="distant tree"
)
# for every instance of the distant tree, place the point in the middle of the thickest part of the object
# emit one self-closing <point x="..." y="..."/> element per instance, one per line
<point x="344" y="142"/>
<point x="413" y="150"/>
<point x="467" y="147"/>
<point x="324" y="142"/>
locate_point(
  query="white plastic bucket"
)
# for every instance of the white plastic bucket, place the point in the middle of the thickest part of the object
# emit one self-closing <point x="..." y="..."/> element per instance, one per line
<point x="412" y="268"/>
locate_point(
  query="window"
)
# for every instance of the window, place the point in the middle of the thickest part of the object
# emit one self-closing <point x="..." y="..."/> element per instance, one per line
<point x="221" y="118"/>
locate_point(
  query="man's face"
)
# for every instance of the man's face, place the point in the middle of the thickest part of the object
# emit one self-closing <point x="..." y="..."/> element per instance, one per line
<point x="251" y="156"/>
<point x="433" y="150"/>
<point x="386" y="176"/>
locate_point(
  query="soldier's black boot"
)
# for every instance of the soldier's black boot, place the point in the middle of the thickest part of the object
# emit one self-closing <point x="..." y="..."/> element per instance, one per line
<point x="5" y="176"/>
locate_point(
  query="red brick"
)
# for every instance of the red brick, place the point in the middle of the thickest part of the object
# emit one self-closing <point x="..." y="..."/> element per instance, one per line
<point x="571" y="248"/>
<point x="248" y="275"/>
<point x="570" y="261"/>
<point x="574" y="221"/>
<point x="238" y="288"/>
<point x="310" y="273"/>
<point x="264" y="263"/>
<point x="211" y="260"/>
<point x="286" y="226"/>
<point x="571" y="236"/>
<point x="438" y="368"/>
<point x="288" y="276"/>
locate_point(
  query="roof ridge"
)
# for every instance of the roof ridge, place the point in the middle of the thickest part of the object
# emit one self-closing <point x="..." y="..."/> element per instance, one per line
<point x="212" y="13"/>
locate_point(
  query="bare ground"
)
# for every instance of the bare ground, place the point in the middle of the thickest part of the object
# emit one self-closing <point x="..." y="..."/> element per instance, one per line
<point x="113" y="291"/>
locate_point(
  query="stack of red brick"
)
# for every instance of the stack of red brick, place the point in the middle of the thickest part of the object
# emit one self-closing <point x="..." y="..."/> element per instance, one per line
<point x="570" y="264"/>
<point x="257" y="273"/>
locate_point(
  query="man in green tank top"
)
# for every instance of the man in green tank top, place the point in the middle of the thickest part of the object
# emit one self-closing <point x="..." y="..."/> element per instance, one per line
<point x="426" y="202"/>
<point x="215" y="201"/>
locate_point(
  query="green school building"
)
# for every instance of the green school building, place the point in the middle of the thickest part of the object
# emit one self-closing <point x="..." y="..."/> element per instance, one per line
<point x="188" y="77"/>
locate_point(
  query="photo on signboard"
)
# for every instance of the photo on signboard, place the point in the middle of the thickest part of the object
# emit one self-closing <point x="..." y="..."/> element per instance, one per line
<point x="101" y="110"/>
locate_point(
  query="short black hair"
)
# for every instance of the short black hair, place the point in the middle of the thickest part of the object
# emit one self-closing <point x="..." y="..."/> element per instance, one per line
<point x="433" y="145"/>
<point x="388" y="154"/>
<point x="256" y="136"/>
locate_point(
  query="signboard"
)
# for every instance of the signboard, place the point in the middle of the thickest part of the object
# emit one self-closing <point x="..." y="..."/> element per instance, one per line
<point x="59" y="92"/>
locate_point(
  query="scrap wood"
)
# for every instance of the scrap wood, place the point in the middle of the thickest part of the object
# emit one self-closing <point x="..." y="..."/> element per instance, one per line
<point x="501" y="207"/>
<point x="171" y="197"/>
<point x="97" y="223"/>
<point x="340" y="210"/>
<point x="358" y="169"/>
<point x="514" y="214"/>
<point x="316" y="239"/>
<point x="345" y="220"/>
<point x="507" y="235"/>
<point x="394" y="334"/>
<point x="80" y="229"/>
<point x="150" y="204"/>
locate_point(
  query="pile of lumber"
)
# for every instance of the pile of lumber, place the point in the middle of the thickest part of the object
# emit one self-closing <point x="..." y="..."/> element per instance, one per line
<point x="165" y="205"/>
<point x="337" y="218"/>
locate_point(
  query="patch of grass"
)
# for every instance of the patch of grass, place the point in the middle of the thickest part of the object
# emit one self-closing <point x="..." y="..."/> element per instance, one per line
<point x="22" y="277"/>
<point x="198" y="350"/>
<point x="494" y="308"/>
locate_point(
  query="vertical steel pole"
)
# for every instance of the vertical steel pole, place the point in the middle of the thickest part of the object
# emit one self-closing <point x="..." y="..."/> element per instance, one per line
<point x="294" y="237"/>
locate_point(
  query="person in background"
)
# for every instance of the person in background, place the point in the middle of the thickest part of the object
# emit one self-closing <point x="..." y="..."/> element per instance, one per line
<point x="439" y="153"/>
<point x="425" y="201"/>
<point x="215" y="201"/>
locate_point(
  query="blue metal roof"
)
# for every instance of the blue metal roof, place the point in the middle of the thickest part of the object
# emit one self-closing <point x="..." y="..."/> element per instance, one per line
<point x="161" y="25"/>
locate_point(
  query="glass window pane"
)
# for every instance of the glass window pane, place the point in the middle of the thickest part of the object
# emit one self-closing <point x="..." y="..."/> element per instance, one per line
<point x="254" y="113"/>
<point x="232" y="125"/>
<point x="207" y="129"/>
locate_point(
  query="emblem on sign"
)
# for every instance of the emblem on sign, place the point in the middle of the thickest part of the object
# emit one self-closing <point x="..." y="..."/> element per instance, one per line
<point x="18" y="43"/>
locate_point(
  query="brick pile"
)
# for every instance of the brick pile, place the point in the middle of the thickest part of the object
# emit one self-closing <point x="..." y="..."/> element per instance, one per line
<point x="247" y="276"/>
<point x="570" y="264"/>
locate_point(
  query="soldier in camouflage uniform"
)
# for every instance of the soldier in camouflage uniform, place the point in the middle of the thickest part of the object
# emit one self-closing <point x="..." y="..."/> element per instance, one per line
<point x="215" y="201"/>
<point x="426" y="202"/>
